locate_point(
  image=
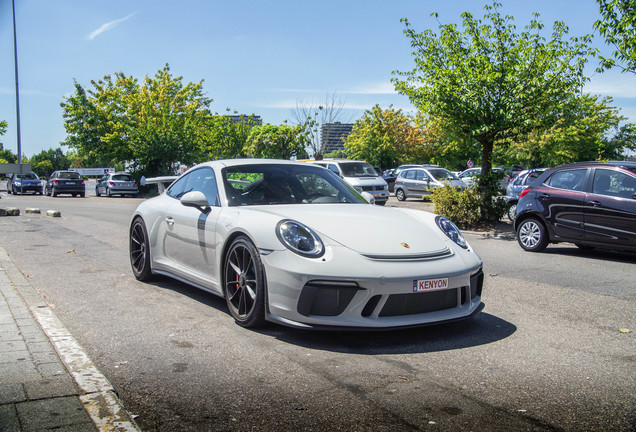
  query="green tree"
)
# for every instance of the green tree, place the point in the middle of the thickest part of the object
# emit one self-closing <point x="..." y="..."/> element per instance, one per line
<point x="618" y="27"/>
<point x="590" y="128"/>
<point x="47" y="161"/>
<point x="224" y="138"/>
<point x="487" y="83"/>
<point x="6" y="156"/>
<point x="388" y="138"/>
<point x="154" y="126"/>
<point x="277" y="142"/>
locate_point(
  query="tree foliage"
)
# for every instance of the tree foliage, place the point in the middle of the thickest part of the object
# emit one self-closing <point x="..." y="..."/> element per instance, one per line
<point x="224" y="138"/>
<point x="277" y="142"/>
<point x="590" y="128"/>
<point x="47" y="161"/>
<point x="387" y="138"/>
<point x="618" y="27"/>
<point x="487" y="82"/>
<point x="155" y="125"/>
<point x="6" y="156"/>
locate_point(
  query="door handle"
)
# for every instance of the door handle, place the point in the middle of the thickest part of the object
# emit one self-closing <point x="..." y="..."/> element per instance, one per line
<point x="595" y="203"/>
<point x="169" y="221"/>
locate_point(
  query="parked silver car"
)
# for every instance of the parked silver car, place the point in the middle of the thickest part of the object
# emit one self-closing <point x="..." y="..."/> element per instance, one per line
<point x="420" y="181"/>
<point x="116" y="184"/>
<point x="518" y="184"/>
<point x="471" y="175"/>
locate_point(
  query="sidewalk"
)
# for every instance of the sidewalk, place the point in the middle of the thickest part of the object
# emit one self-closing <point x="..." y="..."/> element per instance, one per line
<point x="46" y="379"/>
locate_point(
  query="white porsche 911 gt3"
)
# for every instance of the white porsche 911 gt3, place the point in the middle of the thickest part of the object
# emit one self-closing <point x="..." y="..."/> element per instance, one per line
<point x="292" y="243"/>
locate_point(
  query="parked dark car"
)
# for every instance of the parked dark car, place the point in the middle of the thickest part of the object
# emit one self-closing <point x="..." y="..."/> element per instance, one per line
<point x="389" y="177"/>
<point x="116" y="184"/>
<point x="65" y="182"/>
<point x="592" y="205"/>
<point x="26" y="183"/>
<point x="517" y="185"/>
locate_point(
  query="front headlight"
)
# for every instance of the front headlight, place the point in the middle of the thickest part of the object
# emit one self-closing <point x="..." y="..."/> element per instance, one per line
<point x="451" y="230"/>
<point x="358" y="188"/>
<point x="299" y="239"/>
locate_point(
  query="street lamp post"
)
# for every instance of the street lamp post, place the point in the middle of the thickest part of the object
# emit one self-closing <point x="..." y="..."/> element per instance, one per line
<point x="17" y="96"/>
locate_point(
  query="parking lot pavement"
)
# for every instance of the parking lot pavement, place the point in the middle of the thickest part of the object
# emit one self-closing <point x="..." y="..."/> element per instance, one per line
<point x="46" y="380"/>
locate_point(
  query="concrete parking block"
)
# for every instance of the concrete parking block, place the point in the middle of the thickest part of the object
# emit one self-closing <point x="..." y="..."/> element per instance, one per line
<point x="13" y="211"/>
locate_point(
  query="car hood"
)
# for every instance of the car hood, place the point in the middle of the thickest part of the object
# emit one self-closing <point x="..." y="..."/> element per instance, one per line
<point x="371" y="230"/>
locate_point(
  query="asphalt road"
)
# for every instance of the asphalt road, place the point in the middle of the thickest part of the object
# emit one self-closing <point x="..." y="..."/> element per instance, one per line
<point x="547" y="353"/>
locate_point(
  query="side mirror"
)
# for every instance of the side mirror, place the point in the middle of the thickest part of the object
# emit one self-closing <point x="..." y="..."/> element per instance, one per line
<point x="367" y="196"/>
<point x="196" y="199"/>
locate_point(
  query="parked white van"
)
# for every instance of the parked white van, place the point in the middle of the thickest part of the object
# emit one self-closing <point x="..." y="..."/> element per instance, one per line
<point x="359" y="174"/>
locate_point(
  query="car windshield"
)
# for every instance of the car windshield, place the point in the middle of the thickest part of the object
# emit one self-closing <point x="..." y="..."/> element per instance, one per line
<point x="442" y="174"/>
<point x="357" y="169"/>
<point x="29" y="176"/>
<point x="122" y="177"/>
<point x="69" y="175"/>
<point x="265" y="184"/>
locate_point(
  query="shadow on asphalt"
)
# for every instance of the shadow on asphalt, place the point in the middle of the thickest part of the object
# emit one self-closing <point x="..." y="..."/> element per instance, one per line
<point x="480" y="330"/>
<point x="592" y="254"/>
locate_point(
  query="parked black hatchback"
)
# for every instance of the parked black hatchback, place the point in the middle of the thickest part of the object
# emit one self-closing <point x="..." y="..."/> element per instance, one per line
<point x="65" y="182"/>
<point x="591" y="204"/>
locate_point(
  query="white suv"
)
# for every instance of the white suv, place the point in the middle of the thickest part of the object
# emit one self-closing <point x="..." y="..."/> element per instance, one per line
<point x="361" y="176"/>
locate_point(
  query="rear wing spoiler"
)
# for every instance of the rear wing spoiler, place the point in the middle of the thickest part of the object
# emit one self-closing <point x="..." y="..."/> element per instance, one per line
<point x="161" y="182"/>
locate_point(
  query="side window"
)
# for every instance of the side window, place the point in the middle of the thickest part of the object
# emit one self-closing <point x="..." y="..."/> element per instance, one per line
<point x="202" y="180"/>
<point x="420" y="176"/>
<point x="568" y="179"/>
<point x="410" y="174"/>
<point x="334" y="168"/>
<point x="613" y="183"/>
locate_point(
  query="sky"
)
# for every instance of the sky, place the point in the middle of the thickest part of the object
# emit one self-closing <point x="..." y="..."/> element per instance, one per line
<point x="254" y="56"/>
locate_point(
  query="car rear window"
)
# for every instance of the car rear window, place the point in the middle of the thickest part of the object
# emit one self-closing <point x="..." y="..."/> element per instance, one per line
<point x="69" y="175"/>
<point x="122" y="177"/>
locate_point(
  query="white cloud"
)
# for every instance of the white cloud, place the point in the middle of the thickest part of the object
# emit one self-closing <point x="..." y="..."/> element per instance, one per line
<point x="378" y="88"/>
<point x="612" y="85"/>
<point x="108" y="26"/>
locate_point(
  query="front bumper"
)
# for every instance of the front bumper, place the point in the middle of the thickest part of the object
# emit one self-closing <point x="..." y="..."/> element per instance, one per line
<point x="309" y="299"/>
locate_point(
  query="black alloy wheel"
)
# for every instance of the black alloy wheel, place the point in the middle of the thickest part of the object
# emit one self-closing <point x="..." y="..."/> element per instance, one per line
<point x="139" y="247"/>
<point x="243" y="283"/>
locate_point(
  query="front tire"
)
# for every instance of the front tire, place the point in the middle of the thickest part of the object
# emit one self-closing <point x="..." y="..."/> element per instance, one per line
<point x="532" y="235"/>
<point x="244" y="283"/>
<point x="399" y="194"/>
<point x="139" y="247"/>
<point x="97" y="192"/>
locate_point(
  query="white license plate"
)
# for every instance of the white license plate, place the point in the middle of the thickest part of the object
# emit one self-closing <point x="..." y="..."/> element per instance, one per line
<point x="421" y="285"/>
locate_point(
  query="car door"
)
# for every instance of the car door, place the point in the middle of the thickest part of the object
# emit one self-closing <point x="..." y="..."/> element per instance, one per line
<point x="408" y="182"/>
<point x="422" y="183"/>
<point x="562" y="200"/>
<point x="610" y="215"/>
<point x="188" y="234"/>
